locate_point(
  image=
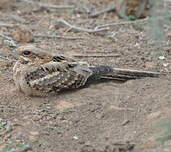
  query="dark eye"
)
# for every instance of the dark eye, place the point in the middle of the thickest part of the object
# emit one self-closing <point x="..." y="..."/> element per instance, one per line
<point x="26" y="52"/>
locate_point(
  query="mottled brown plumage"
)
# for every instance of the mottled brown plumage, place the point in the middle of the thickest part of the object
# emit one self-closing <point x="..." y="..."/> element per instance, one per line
<point x="38" y="72"/>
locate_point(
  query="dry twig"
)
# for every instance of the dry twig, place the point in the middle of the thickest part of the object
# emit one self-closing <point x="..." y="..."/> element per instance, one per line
<point x="16" y="18"/>
<point x="7" y="25"/>
<point x="121" y="108"/>
<point x="80" y="29"/>
<point x="58" y="37"/>
<point x="95" y="55"/>
<point x="13" y="17"/>
<point x="82" y="7"/>
<point x="6" y="37"/>
<point x="140" y="21"/>
<point x="97" y="13"/>
<point x="49" y="6"/>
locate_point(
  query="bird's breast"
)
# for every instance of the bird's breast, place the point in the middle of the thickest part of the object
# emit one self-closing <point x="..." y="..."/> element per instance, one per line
<point x="19" y="73"/>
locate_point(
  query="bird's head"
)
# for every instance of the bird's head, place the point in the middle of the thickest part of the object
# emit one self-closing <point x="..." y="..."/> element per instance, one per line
<point x="31" y="55"/>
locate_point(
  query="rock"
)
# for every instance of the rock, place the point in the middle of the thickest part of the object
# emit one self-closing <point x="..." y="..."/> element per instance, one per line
<point x="22" y="34"/>
<point x="6" y="4"/>
<point x="132" y="8"/>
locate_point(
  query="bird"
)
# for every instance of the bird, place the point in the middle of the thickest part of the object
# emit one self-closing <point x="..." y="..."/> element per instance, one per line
<point x="38" y="72"/>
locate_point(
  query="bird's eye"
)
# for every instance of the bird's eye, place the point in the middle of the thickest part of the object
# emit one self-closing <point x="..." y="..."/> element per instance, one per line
<point x="26" y="52"/>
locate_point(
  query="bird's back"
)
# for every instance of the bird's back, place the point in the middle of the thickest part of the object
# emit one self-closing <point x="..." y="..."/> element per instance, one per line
<point x="48" y="81"/>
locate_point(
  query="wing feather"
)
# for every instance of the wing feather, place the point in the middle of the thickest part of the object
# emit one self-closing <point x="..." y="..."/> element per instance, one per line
<point x="46" y="81"/>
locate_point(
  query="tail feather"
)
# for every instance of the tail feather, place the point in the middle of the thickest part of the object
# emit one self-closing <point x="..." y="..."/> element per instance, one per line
<point x="107" y="72"/>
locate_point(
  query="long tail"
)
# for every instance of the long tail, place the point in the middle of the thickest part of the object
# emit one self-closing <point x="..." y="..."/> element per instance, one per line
<point x="107" y="72"/>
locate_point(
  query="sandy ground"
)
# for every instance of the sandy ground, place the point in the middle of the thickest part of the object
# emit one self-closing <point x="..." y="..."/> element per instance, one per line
<point x="105" y="117"/>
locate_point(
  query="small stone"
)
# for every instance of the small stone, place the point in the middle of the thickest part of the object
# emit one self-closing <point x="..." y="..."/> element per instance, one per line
<point x="165" y="64"/>
<point x="33" y="138"/>
<point x="162" y="57"/>
<point x="34" y="133"/>
<point x="149" y="65"/>
<point x="75" y="137"/>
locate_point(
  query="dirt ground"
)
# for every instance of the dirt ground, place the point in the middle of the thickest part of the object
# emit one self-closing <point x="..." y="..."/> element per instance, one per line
<point x="105" y="117"/>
